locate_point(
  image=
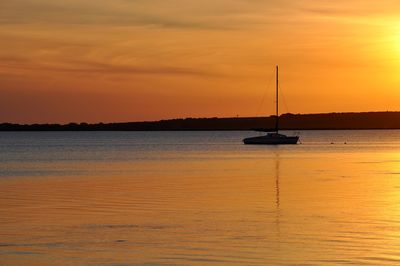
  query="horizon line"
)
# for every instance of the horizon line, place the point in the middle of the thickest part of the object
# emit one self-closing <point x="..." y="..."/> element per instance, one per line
<point x="184" y="118"/>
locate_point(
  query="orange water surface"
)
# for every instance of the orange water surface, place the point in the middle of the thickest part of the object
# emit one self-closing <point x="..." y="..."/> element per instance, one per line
<point x="199" y="198"/>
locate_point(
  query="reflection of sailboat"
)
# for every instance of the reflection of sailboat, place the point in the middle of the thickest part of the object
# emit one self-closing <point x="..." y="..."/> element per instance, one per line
<point x="277" y="195"/>
<point x="273" y="138"/>
<point x="277" y="198"/>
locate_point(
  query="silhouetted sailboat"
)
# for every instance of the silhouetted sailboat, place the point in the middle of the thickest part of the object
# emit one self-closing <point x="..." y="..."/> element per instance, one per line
<point x="273" y="138"/>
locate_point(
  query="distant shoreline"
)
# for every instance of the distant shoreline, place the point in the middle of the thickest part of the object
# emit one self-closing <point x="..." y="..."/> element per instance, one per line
<point x="327" y="121"/>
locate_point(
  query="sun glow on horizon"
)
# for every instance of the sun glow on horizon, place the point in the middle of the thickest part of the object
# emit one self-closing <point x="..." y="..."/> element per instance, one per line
<point x="396" y="41"/>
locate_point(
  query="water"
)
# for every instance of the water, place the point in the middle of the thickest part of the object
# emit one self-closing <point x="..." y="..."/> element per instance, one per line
<point x="199" y="198"/>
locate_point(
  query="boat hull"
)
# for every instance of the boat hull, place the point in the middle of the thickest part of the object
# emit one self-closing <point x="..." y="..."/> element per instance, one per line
<point x="266" y="140"/>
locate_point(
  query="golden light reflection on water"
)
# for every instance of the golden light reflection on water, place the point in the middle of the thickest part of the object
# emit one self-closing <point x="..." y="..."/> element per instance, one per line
<point x="259" y="207"/>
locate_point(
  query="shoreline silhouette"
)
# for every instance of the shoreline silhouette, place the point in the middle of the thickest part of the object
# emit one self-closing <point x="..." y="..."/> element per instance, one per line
<point x="323" y="121"/>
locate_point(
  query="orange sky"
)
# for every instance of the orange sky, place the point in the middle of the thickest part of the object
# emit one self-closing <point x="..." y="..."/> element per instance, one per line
<point x="128" y="60"/>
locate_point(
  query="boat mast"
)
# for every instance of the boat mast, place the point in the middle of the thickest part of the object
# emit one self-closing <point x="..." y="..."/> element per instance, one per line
<point x="277" y="100"/>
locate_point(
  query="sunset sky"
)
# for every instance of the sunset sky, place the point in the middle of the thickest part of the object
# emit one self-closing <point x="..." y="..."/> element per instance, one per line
<point x="130" y="60"/>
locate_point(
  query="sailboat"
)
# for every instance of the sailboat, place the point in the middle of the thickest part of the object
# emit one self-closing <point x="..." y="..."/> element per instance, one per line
<point x="273" y="138"/>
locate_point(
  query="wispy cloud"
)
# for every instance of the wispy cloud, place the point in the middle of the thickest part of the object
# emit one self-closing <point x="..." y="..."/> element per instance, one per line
<point x="354" y="8"/>
<point x="207" y="14"/>
<point x="95" y="68"/>
<point x="117" y="13"/>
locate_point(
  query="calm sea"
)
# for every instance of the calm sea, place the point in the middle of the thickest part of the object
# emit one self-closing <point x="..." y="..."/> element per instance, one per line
<point x="199" y="198"/>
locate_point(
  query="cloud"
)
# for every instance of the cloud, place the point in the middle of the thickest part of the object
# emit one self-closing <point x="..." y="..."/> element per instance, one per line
<point x="117" y="13"/>
<point x="184" y="14"/>
<point x="207" y="14"/>
<point x="94" y="68"/>
<point x="354" y="8"/>
<point x="100" y="68"/>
